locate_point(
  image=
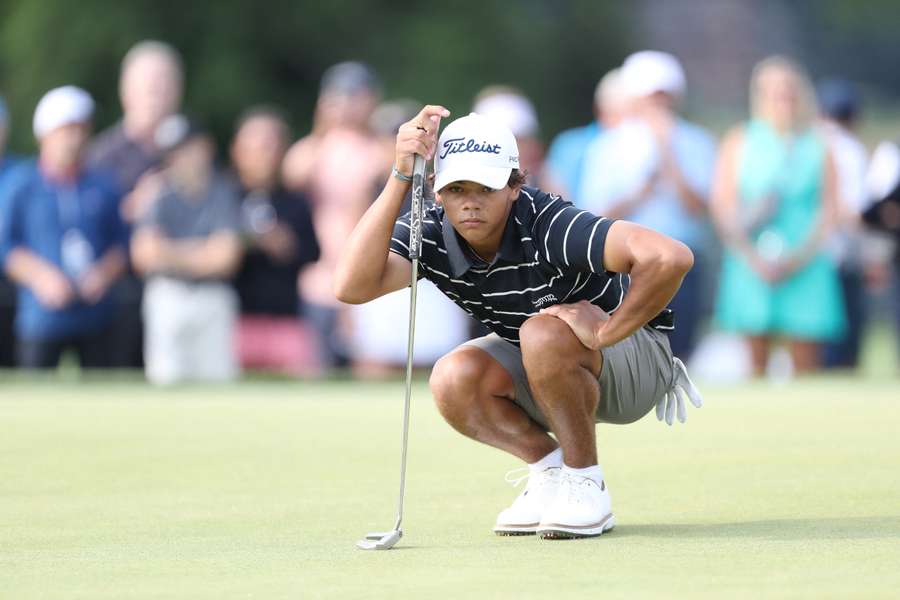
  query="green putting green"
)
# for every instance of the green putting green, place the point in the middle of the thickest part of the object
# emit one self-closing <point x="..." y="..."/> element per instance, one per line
<point x="260" y="490"/>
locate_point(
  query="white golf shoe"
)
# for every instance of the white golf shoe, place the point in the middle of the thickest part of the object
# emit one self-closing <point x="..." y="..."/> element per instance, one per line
<point x="582" y="508"/>
<point x="523" y="517"/>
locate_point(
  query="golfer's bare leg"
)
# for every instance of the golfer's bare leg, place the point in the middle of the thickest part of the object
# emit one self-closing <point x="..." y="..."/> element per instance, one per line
<point x="562" y="374"/>
<point x="474" y="393"/>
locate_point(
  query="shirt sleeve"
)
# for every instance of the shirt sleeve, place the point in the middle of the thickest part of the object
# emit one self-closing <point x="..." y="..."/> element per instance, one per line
<point x="400" y="236"/>
<point x="431" y="234"/>
<point x="568" y="237"/>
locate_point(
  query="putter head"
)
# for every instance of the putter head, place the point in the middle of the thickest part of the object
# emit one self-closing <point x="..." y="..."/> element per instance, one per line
<point x="380" y="541"/>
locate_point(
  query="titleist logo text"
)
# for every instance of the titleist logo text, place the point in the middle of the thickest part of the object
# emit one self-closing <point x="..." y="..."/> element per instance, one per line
<point x="457" y="145"/>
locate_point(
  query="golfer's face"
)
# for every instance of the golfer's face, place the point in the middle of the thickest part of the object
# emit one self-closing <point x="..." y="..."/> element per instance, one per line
<point x="476" y="211"/>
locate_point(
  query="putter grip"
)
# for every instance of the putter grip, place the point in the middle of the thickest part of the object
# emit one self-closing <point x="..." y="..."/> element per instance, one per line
<point x="416" y="213"/>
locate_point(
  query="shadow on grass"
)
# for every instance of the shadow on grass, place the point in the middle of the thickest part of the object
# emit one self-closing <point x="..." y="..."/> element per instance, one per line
<point x="836" y="528"/>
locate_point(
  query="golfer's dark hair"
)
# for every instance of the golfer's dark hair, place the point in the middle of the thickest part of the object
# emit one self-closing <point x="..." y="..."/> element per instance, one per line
<point x="518" y="177"/>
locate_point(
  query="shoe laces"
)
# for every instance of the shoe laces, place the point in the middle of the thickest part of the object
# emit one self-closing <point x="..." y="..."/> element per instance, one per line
<point x="517" y="476"/>
<point x="576" y="486"/>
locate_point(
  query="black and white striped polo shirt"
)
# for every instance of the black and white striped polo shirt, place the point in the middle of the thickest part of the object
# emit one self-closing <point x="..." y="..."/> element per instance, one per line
<point x="551" y="253"/>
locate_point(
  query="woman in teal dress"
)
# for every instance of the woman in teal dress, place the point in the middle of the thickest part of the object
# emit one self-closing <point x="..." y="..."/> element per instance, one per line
<point x="773" y="204"/>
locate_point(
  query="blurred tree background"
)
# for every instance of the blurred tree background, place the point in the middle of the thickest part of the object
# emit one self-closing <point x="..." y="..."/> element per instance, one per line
<point x="239" y="52"/>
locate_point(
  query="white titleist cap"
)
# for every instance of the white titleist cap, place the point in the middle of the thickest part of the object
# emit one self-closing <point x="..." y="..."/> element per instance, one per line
<point x="647" y="72"/>
<point x="62" y="106"/>
<point x="475" y="148"/>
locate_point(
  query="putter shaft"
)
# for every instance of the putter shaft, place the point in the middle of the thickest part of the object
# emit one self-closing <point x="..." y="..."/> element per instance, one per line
<point x="388" y="539"/>
<point x="415" y="248"/>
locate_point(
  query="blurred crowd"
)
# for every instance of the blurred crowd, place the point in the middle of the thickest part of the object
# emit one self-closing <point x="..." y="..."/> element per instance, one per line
<point x="137" y="247"/>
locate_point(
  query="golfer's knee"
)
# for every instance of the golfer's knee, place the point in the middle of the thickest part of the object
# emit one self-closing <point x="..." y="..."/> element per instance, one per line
<point x="456" y="382"/>
<point x="546" y="340"/>
<point x="550" y="349"/>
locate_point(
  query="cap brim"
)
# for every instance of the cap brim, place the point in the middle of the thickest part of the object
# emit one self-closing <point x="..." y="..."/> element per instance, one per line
<point x="493" y="177"/>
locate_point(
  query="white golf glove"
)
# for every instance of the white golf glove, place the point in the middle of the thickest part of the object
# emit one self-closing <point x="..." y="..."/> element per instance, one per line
<point x="672" y="401"/>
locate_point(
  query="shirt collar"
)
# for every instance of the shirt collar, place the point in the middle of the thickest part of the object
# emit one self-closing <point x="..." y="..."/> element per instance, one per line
<point x="459" y="262"/>
<point x="510" y="245"/>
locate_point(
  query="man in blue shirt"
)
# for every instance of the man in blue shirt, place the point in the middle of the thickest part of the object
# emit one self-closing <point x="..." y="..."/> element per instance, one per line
<point x="61" y="239"/>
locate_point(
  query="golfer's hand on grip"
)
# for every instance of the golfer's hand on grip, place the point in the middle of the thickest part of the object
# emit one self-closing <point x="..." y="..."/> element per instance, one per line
<point x="418" y="136"/>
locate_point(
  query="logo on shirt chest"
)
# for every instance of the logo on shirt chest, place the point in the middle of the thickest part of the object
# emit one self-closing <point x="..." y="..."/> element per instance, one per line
<point x="545" y="300"/>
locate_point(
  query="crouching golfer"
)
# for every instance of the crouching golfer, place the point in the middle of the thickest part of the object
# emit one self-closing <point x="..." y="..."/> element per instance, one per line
<point x="576" y="303"/>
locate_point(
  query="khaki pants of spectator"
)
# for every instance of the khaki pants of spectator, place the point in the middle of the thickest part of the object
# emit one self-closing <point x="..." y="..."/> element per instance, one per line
<point x="189" y="330"/>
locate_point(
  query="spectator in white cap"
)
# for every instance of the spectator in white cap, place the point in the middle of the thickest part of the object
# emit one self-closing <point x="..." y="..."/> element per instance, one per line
<point x="649" y="72"/>
<point x="656" y="169"/>
<point x="564" y="167"/>
<point x="63" y="241"/>
<point x="509" y="106"/>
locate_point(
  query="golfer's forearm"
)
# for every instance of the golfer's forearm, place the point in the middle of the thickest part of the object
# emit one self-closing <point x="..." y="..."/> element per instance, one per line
<point x="654" y="281"/>
<point x="362" y="265"/>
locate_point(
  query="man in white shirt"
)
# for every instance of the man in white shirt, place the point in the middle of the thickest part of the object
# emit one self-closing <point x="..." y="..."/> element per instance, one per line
<point x="656" y="169"/>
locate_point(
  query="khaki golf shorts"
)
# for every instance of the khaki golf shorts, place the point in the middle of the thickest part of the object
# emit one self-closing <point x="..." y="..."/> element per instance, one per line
<point x="636" y="373"/>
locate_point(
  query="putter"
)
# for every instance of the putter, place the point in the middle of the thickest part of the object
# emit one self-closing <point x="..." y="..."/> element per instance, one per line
<point x="386" y="540"/>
